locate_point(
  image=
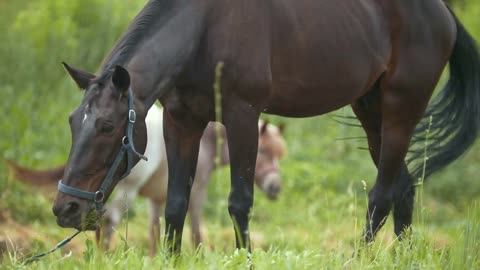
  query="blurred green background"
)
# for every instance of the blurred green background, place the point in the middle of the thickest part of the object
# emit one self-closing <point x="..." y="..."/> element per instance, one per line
<point x="322" y="174"/>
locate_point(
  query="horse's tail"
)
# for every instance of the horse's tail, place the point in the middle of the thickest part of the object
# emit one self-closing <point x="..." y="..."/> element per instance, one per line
<point x="452" y="121"/>
<point x="32" y="177"/>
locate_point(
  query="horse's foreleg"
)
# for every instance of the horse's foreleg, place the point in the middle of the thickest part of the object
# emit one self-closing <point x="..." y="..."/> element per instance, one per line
<point x="241" y="122"/>
<point x="155" y="208"/>
<point x="182" y="133"/>
<point x="115" y="210"/>
<point x="199" y="192"/>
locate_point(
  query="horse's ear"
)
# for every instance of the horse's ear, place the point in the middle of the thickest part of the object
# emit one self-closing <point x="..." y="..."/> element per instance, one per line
<point x="281" y="128"/>
<point x="263" y="127"/>
<point x="81" y="78"/>
<point x="121" y="79"/>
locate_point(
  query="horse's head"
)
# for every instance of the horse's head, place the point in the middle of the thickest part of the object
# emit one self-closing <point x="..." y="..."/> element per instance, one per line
<point x="271" y="148"/>
<point x="106" y="128"/>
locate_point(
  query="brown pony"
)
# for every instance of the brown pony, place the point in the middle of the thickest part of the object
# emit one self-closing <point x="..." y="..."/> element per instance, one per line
<point x="295" y="58"/>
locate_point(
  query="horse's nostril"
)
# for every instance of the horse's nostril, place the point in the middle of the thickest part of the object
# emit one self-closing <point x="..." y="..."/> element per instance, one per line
<point x="71" y="208"/>
<point x="56" y="210"/>
<point x="273" y="191"/>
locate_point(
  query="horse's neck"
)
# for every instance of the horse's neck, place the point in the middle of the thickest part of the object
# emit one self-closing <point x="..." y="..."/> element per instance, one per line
<point x="157" y="46"/>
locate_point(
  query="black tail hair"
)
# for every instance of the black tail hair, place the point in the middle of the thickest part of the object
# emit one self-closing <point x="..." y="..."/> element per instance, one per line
<point x="454" y="113"/>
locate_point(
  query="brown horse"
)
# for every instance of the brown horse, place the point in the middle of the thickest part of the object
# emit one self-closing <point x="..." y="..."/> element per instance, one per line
<point x="294" y="58"/>
<point x="149" y="179"/>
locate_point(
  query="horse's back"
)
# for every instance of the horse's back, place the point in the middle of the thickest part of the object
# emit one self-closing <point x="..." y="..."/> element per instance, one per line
<point x="421" y="30"/>
<point x="318" y="53"/>
<point x="322" y="55"/>
<point x="331" y="53"/>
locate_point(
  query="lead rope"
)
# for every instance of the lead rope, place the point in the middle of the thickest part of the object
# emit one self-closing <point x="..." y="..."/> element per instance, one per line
<point x="59" y="245"/>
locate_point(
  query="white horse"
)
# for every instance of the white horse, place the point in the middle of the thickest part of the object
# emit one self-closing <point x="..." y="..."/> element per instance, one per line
<point x="149" y="178"/>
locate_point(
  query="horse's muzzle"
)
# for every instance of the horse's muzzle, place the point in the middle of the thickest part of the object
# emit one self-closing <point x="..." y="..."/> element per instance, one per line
<point x="272" y="185"/>
<point x="74" y="214"/>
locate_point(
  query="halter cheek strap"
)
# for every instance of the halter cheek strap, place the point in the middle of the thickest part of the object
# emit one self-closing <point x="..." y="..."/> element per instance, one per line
<point x="128" y="149"/>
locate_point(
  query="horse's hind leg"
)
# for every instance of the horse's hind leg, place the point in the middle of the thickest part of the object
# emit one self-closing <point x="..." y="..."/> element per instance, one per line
<point x="403" y="200"/>
<point x="368" y="111"/>
<point x="405" y="91"/>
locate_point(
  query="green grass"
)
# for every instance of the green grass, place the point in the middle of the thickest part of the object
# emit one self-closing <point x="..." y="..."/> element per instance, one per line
<point x="315" y="224"/>
<point x="295" y="237"/>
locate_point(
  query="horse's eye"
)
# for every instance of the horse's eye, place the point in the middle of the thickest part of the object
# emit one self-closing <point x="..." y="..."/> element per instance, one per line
<point x="107" y="128"/>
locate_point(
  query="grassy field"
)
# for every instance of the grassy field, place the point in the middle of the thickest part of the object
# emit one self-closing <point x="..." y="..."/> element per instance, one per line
<point x="315" y="224"/>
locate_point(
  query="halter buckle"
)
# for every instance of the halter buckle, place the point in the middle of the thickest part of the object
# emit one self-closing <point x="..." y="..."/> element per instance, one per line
<point x="132" y="116"/>
<point x="125" y="141"/>
<point x="99" y="196"/>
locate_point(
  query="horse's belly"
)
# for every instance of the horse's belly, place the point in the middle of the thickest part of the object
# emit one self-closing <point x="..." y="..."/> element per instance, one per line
<point x="292" y="100"/>
<point x="317" y="82"/>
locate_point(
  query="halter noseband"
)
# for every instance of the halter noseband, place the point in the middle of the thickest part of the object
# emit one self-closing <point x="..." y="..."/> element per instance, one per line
<point x="128" y="148"/>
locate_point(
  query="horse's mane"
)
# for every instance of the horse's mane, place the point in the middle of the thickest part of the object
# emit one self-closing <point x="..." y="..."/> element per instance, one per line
<point x="152" y="16"/>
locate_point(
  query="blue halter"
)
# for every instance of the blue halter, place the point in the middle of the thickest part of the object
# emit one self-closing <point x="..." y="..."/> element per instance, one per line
<point x="127" y="148"/>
